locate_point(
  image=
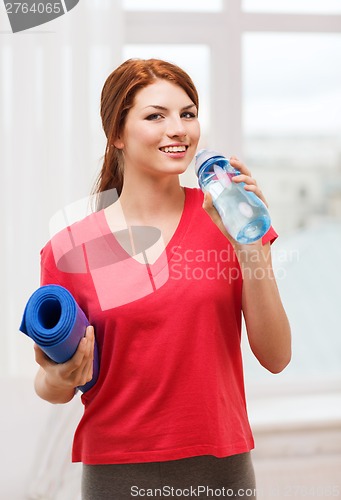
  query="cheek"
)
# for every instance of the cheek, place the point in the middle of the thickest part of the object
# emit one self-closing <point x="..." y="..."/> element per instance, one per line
<point x="146" y="136"/>
<point x="195" y="133"/>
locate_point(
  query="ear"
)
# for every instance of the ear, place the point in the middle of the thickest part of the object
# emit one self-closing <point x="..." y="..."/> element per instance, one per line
<point x="118" y="143"/>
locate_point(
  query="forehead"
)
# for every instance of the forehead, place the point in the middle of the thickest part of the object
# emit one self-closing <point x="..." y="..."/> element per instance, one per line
<point x="160" y="92"/>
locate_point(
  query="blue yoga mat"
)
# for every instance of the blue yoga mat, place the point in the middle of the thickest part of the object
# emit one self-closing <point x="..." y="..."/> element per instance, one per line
<point x="56" y="323"/>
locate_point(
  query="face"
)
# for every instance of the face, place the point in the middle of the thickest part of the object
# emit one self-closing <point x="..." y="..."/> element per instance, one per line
<point x="161" y="132"/>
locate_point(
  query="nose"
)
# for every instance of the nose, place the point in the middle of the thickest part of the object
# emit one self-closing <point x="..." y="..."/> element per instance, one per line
<point x="176" y="128"/>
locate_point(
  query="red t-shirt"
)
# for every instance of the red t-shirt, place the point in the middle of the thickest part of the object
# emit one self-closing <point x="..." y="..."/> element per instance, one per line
<point x="171" y="379"/>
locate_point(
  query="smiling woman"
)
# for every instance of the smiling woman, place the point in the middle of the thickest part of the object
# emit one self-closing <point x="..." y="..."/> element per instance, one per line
<point x="159" y="410"/>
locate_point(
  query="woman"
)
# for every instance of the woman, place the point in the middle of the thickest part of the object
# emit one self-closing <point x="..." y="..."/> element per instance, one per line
<point x="168" y="409"/>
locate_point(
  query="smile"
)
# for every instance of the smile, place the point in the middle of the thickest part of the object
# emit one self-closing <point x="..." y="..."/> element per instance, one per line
<point x="174" y="149"/>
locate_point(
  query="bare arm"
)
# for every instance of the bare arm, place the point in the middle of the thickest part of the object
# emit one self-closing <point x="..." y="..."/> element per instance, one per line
<point x="55" y="382"/>
<point x="266" y="322"/>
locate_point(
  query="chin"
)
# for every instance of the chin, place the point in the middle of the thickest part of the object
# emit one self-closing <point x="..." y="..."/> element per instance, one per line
<point x="177" y="171"/>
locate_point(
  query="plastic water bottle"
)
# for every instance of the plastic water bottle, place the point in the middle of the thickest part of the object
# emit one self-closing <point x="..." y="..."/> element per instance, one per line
<point x="244" y="215"/>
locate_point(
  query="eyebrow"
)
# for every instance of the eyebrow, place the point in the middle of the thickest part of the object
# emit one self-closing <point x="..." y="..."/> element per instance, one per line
<point x="162" y="108"/>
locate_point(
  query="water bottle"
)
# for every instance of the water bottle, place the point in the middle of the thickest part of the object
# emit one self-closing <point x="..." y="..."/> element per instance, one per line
<point x="244" y="215"/>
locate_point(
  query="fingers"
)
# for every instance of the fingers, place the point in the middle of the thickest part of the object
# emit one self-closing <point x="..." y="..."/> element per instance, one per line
<point x="250" y="184"/>
<point x="85" y="348"/>
<point x="239" y="165"/>
<point x="90" y="333"/>
<point x="41" y="358"/>
<point x="247" y="179"/>
<point x="257" y="191"/>
<point x="80" y="366"/>
<point x="88" y="367"/>
<point x="39" y="355"/>
<point x="77" y="370"/>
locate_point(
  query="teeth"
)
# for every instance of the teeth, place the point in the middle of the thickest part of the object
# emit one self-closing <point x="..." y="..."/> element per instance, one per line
<point x="174" y="149"/>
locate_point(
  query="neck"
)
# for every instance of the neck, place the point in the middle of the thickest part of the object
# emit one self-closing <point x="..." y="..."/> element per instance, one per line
<point x="148" y="198"/>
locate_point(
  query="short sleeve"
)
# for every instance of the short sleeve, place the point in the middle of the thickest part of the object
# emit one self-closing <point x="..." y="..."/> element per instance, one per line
<point x="48" y="269"/>
<point x="270" y="236"/>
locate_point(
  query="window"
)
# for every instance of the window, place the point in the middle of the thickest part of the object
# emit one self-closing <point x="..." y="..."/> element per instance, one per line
<point x="175" y="5"/>
<point x="292" y="120"/>
<point x="293" y="6"/>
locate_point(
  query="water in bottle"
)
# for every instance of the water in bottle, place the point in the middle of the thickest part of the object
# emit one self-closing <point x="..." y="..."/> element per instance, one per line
<point x="244" y="215"/>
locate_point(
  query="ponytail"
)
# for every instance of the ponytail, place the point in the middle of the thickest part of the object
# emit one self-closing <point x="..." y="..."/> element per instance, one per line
<point x="109" y="183"/>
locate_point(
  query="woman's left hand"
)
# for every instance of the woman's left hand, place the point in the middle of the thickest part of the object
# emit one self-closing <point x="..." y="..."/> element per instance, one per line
<point x="246" y="177"/>
<point x="250" y="185"/>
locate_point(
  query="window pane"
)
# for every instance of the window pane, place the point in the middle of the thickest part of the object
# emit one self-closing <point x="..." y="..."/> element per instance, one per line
<point x="188" y="5"/>
<point x="292" y="123"/>
<point x="293" y="6"/>
<point x="292" y="83"/>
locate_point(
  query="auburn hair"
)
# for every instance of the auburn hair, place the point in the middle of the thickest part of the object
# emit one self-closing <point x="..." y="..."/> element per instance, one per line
<point x="117" y="98"/>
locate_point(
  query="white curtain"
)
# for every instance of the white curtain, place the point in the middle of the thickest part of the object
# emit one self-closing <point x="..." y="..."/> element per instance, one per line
<point x="51" y="144"/>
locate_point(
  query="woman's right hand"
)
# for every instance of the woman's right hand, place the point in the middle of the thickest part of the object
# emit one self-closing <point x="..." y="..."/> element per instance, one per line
<point x="56" y="382"/>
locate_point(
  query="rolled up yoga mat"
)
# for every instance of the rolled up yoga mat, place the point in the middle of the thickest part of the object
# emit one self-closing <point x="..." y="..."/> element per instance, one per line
<point x="56" y="323"/>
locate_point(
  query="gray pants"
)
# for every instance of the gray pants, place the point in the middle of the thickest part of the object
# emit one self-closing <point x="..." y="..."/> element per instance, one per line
<point x="197" y="477"/>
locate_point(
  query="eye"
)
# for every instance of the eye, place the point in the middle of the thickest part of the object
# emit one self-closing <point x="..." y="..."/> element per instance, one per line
<point x="188" y="115"/>
<point x="154" y="116"/>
